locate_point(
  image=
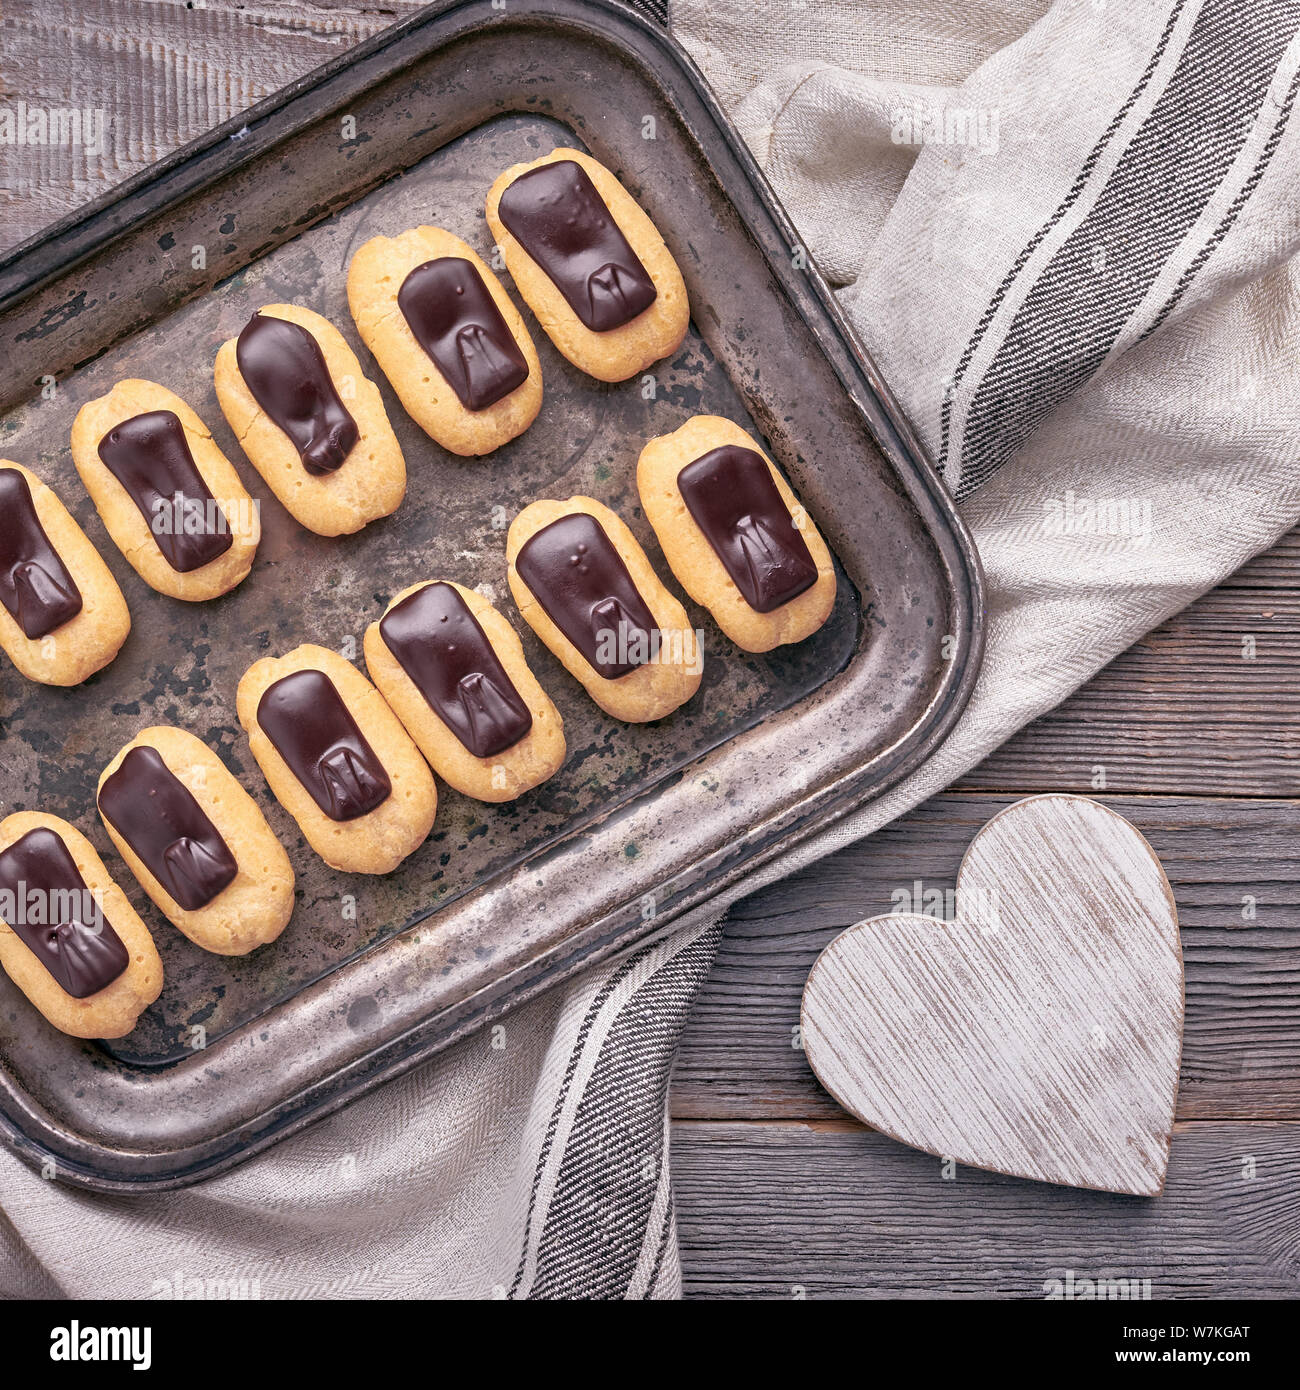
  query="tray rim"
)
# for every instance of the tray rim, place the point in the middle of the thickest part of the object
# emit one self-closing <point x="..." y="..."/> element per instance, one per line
<point x="43" y="258"/>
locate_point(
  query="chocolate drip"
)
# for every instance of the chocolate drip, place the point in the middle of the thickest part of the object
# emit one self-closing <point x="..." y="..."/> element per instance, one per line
<point x="155" y="813"/>
<point x="440" y="645"/>
<point x="55" y="916"/>
<point x="150" y="456"/>
<point x="731" y="494"/>
<point x="313" y="731"/>
<point x="284" y="368"/>
<point x="579" y="578"/>
<point x="456" y="321"/>
<point x="558" y="217"/>
<point x="35" y="585"/>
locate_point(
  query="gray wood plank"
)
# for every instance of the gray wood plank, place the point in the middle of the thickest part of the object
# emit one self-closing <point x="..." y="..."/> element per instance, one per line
<point x="802" y="1211"/>
<point x="1277" y="568"/>
<point x="1241" y="1052"/>
<point x="163" y="74"/>
<point x="1207" y="704"/>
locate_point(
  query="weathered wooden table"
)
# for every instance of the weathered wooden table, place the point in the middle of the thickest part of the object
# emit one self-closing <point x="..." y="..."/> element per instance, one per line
<point x="1191" y="734"/>
<point x="779" y="1191"/>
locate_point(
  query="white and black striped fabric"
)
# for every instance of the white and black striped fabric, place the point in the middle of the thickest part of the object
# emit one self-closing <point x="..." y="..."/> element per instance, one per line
<point x="656" y="10"/>
<point x="1090" y="293"/>
<point x="600" y="1221"/>
<point x="1110" y="263"/>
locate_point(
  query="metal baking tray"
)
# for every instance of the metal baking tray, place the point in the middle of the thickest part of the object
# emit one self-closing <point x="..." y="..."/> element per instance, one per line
<point x="375" y="974"/>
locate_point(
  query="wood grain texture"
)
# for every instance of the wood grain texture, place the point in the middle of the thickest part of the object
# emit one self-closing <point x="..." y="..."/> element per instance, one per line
<point x="1207" y="704"/>
<point x="1236" y="879"/>
<point x="162" y="71"/>
<point x="802" y="1211"/>
<point x="1038" y="1032"/>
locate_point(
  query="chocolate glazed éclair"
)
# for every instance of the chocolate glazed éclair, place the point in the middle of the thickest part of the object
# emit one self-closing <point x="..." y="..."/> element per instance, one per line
<point x="150" y="456"/>
<point x="730" y="493"/>
<point x="579" y="578"/>
<point x="556" y="214"/>
<point x="284" y="368"/>
<point x="454" y="318"/>
<point x="82" y="954"/>
<point x="439" y="644"/>
<point x="35" y="585"/>
<point x="314" y="732"/>
<point x="156" y="814"/>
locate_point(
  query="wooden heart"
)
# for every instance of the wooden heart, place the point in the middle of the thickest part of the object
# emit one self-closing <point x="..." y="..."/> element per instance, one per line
<point x="1039" y="1033"/>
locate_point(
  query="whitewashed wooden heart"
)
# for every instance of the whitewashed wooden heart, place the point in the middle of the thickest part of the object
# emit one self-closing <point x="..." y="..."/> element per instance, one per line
<point x="1038" y="1034"/>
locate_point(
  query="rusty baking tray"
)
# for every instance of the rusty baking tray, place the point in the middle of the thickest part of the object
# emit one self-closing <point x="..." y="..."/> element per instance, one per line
<point x="375" y="974"/>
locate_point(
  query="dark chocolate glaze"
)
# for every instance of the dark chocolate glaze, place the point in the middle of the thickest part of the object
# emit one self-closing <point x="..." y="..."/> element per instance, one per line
<point x="35" y="585"/>
<point x="313" y="731"/>
<point x="284" y="368"/>
<point x="456" y="321"/>
<point x="579" y="578"/>
<point x="440" y="645"/>
<point x="730" y="493"/>
<point x="558" y="217"/>
<point x="150" y="456"/>
<point x="155" y="813"/>
<point x="77" y="946"/>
